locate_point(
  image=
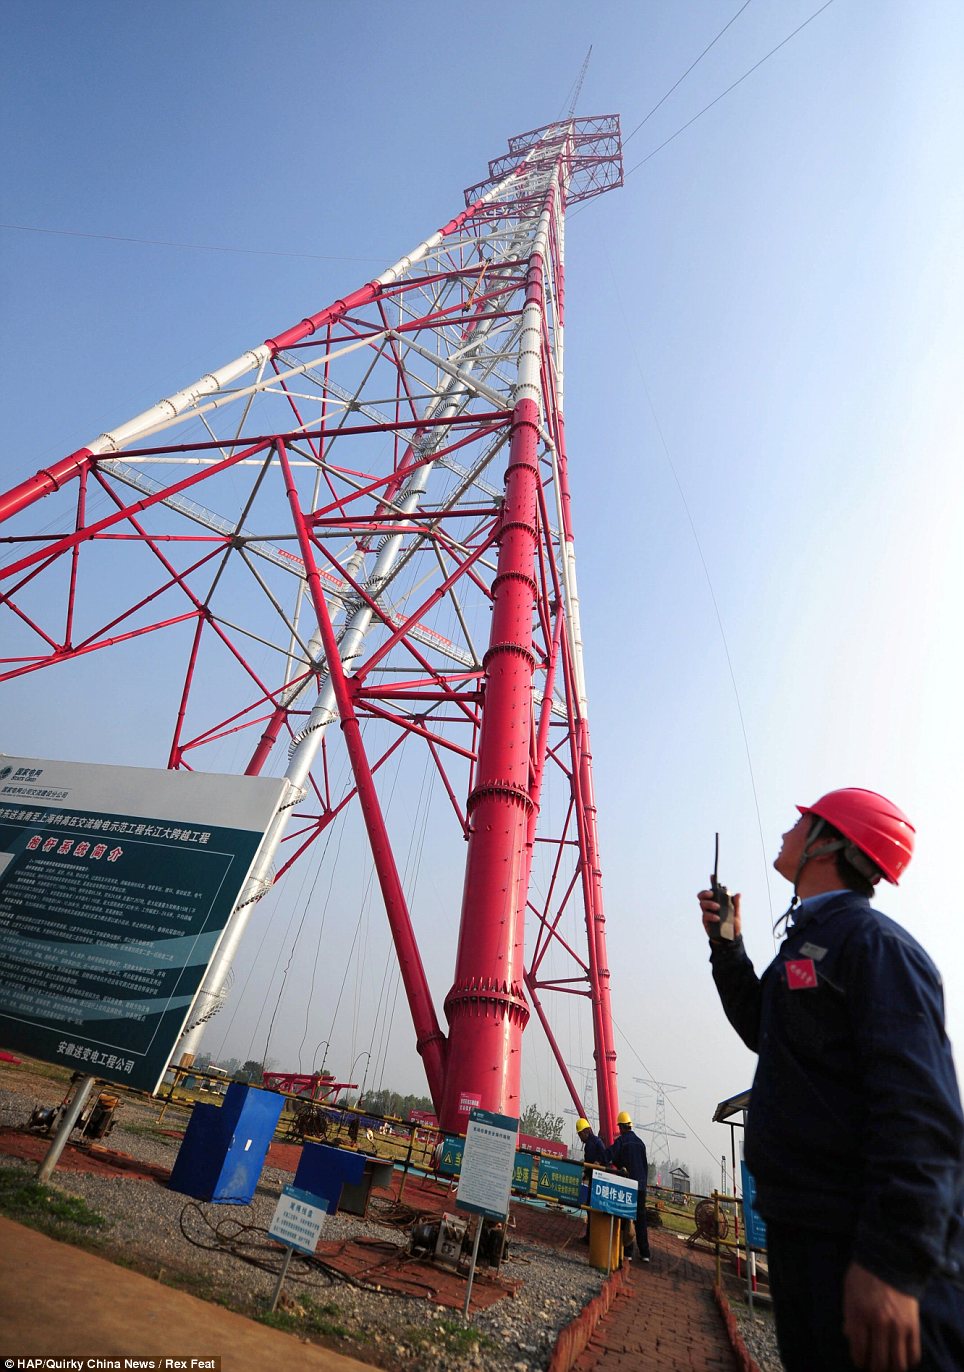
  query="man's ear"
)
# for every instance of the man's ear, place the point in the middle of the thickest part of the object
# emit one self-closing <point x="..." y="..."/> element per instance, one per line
<point x="830" y="845"/>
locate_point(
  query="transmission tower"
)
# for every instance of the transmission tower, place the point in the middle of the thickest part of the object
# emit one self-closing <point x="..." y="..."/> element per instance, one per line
<point x="660" y="1131"/>
<point x="366" y="519"/>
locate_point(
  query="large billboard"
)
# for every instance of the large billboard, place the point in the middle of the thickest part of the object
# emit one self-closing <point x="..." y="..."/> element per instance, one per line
<point x="116" y="884"/>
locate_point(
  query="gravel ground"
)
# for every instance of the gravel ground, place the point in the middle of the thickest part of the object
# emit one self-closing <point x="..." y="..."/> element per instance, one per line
<point x="759" y="1335"/>
<point x="148" y="1225"/>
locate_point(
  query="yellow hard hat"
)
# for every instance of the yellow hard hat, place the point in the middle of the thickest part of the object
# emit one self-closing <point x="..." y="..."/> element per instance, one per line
<point x="624" y="1118"/>
<point x="581" y="1125"/>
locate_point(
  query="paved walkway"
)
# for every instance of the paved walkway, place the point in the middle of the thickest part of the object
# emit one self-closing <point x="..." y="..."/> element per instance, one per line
<point x="57" y="1301"/>
<point x="665" y="1320"/>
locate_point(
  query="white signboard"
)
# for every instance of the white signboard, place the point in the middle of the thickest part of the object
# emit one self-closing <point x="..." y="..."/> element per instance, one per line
<point x="298" y="1220"/>
<point x="487" y="1164"/>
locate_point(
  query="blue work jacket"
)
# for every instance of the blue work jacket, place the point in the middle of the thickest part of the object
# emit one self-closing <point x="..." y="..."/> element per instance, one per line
<point x="594" y="1150"/>
<point x="628" y="1153"/>
<point x="855" y="1122"/>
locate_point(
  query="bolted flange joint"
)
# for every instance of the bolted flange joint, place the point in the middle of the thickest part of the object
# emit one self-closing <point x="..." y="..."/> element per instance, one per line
<point x="509" y="790"/>
<point x="484" y="998"/>
<point x="519" y="649"/>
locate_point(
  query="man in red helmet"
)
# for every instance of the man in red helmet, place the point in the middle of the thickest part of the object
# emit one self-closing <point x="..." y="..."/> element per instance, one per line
<point x="855" y="1133"/>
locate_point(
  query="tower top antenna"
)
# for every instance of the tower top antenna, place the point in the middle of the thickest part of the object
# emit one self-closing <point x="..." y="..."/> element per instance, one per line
<point x="579" y="80"/>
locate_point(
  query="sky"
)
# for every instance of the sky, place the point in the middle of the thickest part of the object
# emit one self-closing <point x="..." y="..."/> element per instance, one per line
<point x="764" y="407"/>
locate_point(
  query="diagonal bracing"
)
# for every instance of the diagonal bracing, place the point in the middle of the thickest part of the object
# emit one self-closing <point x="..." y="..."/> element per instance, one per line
<point x="366" y="519"/>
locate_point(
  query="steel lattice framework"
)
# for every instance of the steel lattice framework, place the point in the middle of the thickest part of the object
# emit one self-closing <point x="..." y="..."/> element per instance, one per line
<point x="375" y="502"/>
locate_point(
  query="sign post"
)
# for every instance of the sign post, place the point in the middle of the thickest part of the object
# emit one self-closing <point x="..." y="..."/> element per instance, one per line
<point x="485" y="1180"/>
<point x="297" y="1223"/>
<point x="65" y="1127"/>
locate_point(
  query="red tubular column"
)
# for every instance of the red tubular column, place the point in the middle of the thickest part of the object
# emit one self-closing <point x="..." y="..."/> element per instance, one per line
<point x="486" y="1006"/>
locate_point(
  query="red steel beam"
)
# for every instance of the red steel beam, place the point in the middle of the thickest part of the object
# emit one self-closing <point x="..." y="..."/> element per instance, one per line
<point x="429" y="1038"/>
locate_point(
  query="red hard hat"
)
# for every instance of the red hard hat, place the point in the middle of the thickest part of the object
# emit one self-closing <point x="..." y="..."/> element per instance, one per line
<point x="872" y="823"/>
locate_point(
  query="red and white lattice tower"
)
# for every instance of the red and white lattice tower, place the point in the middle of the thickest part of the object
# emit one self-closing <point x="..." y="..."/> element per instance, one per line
<point x="377" y="500"/>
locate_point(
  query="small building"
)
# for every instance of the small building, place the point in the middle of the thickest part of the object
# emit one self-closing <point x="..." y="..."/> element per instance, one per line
<point x="680" y="1182"/>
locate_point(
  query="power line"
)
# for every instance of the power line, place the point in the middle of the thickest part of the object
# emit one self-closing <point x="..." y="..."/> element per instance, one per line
<point x="686" y="72"/>
<point x="737" y="82"/>
<point x="709" y="580"/>
<point x="679" y="1112"/>
<point x="170" y="243"/>
<point x="325" y="257"/>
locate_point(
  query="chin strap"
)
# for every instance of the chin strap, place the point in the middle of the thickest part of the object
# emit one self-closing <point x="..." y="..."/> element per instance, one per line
<point x="857" y="858"/>
<point x="834" y="845"/>
<point x="854" y="855"/>
<point x="780" y="928"/>
<point x="830" y="845"/>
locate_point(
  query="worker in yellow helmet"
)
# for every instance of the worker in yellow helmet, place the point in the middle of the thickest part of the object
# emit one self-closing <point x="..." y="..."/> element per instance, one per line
<point x="593" y="1148"/>
<point x="628" y="1155"/>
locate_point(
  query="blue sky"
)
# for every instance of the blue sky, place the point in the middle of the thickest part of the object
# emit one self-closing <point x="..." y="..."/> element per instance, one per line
<point x="763" y="345"/>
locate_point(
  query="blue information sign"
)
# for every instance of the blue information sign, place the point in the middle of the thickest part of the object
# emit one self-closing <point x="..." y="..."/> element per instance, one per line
<point x="522" y="1173"/>
<point x="451" y="1161"/>
<point x="560" y="1180"/>
<point x="613" y="1195"/>
<point x="756" y="1230"/>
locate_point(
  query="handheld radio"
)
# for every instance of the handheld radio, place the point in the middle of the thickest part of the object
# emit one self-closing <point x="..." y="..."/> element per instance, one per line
<point x="723" y="897"/>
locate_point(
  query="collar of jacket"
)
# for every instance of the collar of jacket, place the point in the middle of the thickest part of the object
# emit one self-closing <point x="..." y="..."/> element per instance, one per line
<point x="817" y="909"/>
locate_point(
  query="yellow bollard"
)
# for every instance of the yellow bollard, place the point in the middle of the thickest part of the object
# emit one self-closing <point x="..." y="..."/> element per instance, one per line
<point x="605" y="1241"/>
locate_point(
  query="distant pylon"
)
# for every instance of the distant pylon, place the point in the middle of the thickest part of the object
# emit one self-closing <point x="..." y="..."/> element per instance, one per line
<point x="375" y="499"/>
<point x="659" y="1130"/>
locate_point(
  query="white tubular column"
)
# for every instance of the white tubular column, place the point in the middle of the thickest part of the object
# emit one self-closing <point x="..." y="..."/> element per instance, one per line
<point x="350" y="643"/>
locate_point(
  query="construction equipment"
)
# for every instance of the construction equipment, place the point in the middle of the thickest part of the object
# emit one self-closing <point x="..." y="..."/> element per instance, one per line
<point x="95" y="1121"/>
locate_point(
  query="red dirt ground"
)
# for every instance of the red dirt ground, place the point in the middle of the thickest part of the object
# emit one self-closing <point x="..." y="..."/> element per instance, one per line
<point x="364" y="1259"/>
